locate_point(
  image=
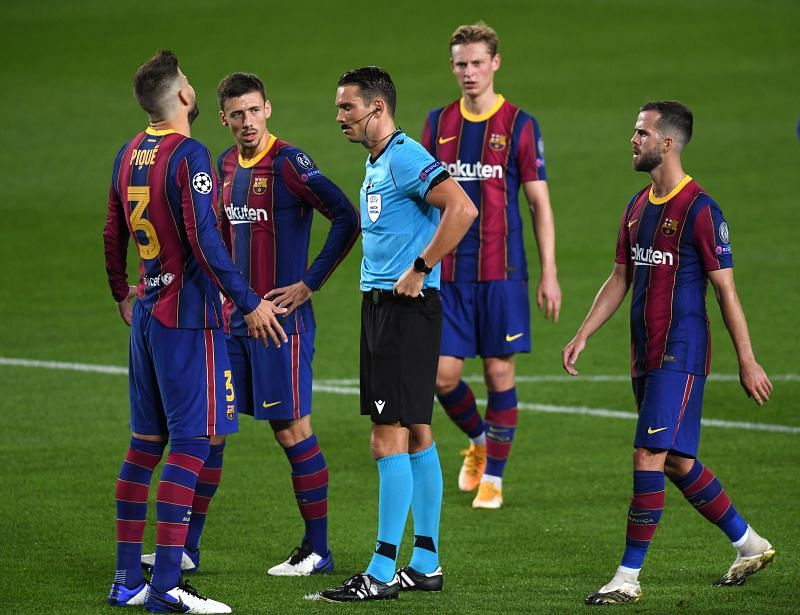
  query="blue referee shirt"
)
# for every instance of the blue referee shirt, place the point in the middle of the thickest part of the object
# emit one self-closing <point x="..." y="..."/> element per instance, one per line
<point x="396" y="220"/>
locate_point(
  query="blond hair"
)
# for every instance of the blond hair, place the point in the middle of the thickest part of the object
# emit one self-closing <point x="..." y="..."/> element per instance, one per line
<point x="475" y="33"/>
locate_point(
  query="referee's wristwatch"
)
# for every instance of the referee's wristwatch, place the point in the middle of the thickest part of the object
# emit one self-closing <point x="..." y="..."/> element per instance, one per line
<point x="420" y="266"/>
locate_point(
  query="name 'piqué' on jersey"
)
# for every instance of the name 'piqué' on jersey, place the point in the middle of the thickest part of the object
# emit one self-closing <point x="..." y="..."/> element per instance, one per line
<point x="163" y="194"/>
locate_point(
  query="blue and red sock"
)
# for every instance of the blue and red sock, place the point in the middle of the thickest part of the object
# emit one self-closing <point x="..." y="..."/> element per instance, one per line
<point x="459" y="404"/>
<point x="174" y="504"/>
<point x="644" y="514"/>
<point x="310" y="483"/>
<point x="703" y="491"/>
<point x="501" y="424"/>
<point x="207" y="485"/>
<point x="133" y="486"/>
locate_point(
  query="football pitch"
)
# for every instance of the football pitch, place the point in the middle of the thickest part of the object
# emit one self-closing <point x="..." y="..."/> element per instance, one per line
<point x="582" y="68"/>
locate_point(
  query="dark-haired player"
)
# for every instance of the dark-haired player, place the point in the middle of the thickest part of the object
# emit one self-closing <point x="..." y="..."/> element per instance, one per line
<point x="672" y="241"/>
<point x="412" y="214"/>
<point x="270" y="190"/>
<point x="491" y="147"/>
<point x="163" y="194"/>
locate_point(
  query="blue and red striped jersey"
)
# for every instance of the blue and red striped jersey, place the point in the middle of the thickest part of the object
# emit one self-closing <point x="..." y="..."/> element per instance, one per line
<point x="671" y="243"/>
<point x="163" y="193"/>
<point x="266" y="211"/>
<point x="491" y="155"/>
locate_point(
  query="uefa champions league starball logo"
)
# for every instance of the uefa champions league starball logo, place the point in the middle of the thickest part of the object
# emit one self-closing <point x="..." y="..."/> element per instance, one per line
<point x="201" y="182"/>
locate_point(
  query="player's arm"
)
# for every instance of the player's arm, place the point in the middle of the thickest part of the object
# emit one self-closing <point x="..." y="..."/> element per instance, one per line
<point x="224" y="223"/>
<point x="753" y="378"/>
<point x="458" y="213"/>
<point x="116" y="236"/>
<point x="198" y="199"/>
<point x="548" y="291"/>
<point x="326" y="197"/>
<point x="607" y="301"/>
<point x="427" y="138"/>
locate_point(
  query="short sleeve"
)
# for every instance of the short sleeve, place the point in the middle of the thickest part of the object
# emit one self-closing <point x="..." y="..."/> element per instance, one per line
<point x="415" y="171"/>
<point x="712" y="237"/>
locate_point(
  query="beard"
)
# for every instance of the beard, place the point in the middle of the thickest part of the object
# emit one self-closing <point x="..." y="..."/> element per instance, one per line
<point x="194" y="113"/>
<point x="647" y="162"/>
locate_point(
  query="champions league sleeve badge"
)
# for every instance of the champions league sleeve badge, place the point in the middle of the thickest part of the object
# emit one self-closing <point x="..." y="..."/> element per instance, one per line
<point x="201" y="182"/>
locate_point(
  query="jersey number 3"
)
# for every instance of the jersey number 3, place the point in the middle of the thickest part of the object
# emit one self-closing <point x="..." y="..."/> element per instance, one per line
<point x="139" y="196"/>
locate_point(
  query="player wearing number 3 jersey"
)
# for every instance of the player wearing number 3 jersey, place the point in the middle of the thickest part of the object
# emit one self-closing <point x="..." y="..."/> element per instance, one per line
<point x="163" y="193"/>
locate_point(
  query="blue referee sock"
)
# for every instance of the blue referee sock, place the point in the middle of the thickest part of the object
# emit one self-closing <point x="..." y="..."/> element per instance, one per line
<point x="426" y="507"/>
<point x="394" y="500"/>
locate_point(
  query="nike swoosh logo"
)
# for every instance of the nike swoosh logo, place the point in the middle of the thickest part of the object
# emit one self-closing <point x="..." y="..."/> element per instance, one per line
<point x="632" y="222"/>
<point x="171" y="607"/>
<point x="226" y="184"/>
<point x="511" y="338"/>
<point x="651" y="431"/>
<point x="443" y="140"/>
<point x="269" y="405"/>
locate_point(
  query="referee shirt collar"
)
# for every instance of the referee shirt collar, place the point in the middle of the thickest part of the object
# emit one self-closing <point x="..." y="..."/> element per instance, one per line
<point x="397" y="133"/>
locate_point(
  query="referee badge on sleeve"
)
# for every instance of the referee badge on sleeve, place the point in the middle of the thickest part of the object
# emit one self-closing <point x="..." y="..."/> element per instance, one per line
<point x="373" y="206"/>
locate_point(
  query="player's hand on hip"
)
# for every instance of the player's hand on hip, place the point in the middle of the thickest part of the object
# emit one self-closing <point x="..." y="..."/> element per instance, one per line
<point x="290" y="297"/>
<point x="125" y="306"/>
<point x="548" y="296"/>
<point x="570" y="354"/>
<point x="755" y="382"/>
<point x="410" y="283"/>
<point x="263" y="324"/>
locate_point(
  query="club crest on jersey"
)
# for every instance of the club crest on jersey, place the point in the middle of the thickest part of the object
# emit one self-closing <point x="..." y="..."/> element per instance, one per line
<point x="373" y="206"/>
<point x="670" y="227"/>
<point x="201" y="182"/>
<point x="497" y="142"/>
<point x="259" y="185"/>
<point x="230" y="412"/>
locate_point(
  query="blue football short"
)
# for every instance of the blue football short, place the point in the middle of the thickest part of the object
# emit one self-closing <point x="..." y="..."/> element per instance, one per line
<point x="489" y="319"/>
<point x="180" y="380"/>
<point x="273" y="383"/>
<point x="670" y="405"/>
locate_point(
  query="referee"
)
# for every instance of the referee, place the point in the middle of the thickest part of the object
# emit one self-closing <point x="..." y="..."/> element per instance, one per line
<point x="412" y="214"/>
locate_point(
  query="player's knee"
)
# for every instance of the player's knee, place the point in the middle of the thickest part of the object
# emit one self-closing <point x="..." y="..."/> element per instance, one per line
<point x="446" y="382"/>
<point x="649" y="459"/>
<point x="498" y="374"/>
<point x="216" y="440"/>
<point x="289" y="433"/>
<point x="677" y="466"/>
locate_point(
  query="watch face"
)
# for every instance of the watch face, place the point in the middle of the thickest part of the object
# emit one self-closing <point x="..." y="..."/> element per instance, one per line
<point x="421" y="266"/>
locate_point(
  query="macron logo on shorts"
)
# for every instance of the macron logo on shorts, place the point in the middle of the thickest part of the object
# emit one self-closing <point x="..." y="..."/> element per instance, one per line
<point x="379" y="404"/>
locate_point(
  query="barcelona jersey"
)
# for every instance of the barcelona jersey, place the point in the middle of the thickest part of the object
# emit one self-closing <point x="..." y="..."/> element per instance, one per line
<point x="266" y="210"/>
<point x="670" y="244"/>
<point x="491" y="156"/>
<point x="163" y="194"/>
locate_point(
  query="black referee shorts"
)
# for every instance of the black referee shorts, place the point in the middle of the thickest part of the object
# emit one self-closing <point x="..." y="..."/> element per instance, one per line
<point x="400" y="339"/>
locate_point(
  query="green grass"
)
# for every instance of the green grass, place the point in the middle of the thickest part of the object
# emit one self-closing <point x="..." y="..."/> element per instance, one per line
<point x="582" y="68"/>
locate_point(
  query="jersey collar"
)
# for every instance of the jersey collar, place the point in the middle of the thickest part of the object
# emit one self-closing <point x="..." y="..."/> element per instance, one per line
<point x="159" y="133"/>
<point x="392" y="138"/>
<point x="661" y="200"/>
<point x="254" y="161"/>
<point x="472" y="117"/>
